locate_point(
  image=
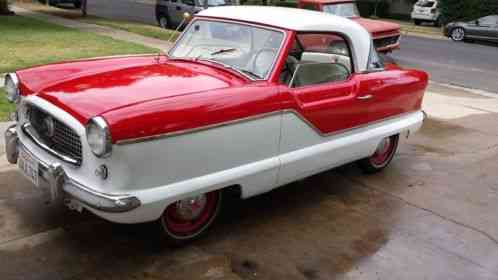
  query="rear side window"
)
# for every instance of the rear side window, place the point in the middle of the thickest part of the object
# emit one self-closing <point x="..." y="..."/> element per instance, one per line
<point x="375" y="61"/>
<point x="425" y="4"/>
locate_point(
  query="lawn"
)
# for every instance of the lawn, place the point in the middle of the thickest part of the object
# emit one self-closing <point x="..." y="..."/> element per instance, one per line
<point x="5" y="107"/>
<point x="134" y="27"/>
<point x="26" y="42"/>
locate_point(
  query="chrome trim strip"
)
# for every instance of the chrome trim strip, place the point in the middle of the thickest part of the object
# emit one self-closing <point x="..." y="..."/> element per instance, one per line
<point x="387" y="36"/>
<point x="193" y="130"/>
<point x="291" y="111"/>
<point x="26" y="129"/>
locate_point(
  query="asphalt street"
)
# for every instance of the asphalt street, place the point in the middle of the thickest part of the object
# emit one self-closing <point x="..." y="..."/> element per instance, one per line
<point x="470" y="65"/>
<point x="135" y="10"/>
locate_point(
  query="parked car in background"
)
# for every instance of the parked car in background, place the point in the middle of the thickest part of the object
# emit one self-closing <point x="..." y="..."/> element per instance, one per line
<point x="170" y="13"/>
<point x="75" y="3"/>
<point x="386" y="35"/>
<point x="426" y="11"/>
<point x="249" y="99"/>
<point x="485" y="29"/>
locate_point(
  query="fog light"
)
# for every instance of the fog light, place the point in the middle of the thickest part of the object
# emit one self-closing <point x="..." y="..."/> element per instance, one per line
<point x="102" y="172"/>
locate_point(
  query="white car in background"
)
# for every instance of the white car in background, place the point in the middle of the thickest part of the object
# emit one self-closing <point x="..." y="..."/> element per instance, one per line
<point x="426" y="11"/>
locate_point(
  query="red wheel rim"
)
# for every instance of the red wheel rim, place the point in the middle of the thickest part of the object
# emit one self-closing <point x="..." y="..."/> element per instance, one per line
<point x="384" y="151"/>
<point x="188" y="217"/>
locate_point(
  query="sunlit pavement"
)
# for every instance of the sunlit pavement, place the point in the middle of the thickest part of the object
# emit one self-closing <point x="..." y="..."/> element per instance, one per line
<point x="430" y="215"/>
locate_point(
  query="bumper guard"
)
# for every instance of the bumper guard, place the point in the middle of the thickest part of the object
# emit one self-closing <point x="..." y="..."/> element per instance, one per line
<point x="55" y="182"/>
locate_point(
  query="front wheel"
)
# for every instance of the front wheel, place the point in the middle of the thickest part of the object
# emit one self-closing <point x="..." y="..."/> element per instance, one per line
<point x="457" y="34"/>
<point x="382" y="156"/>
<point x="417" y="22"/>
<point x="187" y="219"/>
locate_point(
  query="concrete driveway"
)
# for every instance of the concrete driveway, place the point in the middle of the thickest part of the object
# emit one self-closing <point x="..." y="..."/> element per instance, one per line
<point x="431" y="215"/>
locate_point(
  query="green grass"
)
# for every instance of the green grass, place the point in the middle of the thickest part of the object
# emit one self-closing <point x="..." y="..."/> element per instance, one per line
<point x="26" y="42"/>
<point x="6" y="108"/>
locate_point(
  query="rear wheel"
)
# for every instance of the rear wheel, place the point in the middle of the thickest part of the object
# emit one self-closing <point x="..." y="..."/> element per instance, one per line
<point x="457" y="34"/>
<point x="77" y="4"/>
<point x="382" y="157"/>
<point x="187" y="219"/>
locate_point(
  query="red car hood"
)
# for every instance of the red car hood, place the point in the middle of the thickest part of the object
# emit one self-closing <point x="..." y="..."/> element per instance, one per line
<point x="91" y="88"/>
<point x="377" y="27"/>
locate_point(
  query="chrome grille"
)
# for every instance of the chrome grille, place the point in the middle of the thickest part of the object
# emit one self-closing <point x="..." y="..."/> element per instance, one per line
<point x="57" y="136"/>
<point x="386" y="41"/>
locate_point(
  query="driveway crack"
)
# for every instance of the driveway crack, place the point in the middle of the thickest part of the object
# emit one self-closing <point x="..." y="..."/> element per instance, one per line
<point x="472" y="228"/>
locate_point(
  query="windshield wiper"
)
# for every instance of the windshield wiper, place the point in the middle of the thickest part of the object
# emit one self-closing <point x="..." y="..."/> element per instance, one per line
<point x="244" y="72"/>
<point x="251" y="73"/>
<point x="221" y="51"/>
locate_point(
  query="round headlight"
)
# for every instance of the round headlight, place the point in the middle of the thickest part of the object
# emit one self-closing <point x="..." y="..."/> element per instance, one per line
<point x="99" y="137"/>
<point x="12" y="87"/>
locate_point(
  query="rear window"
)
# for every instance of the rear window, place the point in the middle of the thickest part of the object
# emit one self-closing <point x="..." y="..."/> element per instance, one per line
<point x="425" y="4"/>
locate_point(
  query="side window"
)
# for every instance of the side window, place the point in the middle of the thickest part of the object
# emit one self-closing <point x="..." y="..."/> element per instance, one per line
<point x="375" y="61"/>
<point x="487" y="21"/>
<point x="310" y="6"/>
<point x="317" y="58"/>
<point x="188" y="2"/>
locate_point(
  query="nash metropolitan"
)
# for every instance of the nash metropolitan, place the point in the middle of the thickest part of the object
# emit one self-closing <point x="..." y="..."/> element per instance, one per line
<point x="248" y="99"/>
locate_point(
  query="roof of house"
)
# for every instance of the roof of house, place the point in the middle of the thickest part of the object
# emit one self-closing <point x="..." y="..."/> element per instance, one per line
<point x="300" y="20"/>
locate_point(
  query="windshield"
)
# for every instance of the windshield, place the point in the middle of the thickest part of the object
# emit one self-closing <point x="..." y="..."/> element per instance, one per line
<point x="248" y="49"/>
<point x="342" y="9"/>
<point x="213" y="3"/>
<point x="425" y="4"/>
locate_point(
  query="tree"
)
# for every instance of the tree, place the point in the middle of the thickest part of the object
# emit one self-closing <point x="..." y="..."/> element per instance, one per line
<point x="455" y="10"/>
<point x="376" y="8"/>
<point x="4" y="7"/>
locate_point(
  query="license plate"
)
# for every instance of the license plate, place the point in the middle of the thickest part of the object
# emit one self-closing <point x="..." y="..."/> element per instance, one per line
<point x="28" y="166"/>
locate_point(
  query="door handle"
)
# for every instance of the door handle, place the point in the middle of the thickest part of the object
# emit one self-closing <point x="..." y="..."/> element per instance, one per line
<point x="365" y="97"/>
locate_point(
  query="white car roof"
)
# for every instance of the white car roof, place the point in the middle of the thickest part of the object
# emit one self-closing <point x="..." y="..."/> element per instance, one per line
<point x="301" y="20"/>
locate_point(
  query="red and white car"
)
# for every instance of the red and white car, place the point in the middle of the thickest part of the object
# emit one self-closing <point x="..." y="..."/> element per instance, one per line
<point x="385" y="34"/>
<point x="249" y="99"/>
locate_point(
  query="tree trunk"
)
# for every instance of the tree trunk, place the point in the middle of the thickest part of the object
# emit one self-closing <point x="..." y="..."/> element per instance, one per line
<point x="4" y="7"/>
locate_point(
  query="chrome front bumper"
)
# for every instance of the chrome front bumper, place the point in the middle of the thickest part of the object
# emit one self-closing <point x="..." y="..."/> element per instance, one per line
<point x="56" y="184"/>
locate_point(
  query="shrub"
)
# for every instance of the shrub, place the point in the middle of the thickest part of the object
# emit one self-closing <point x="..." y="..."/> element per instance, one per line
<point x="465" y="10"/>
